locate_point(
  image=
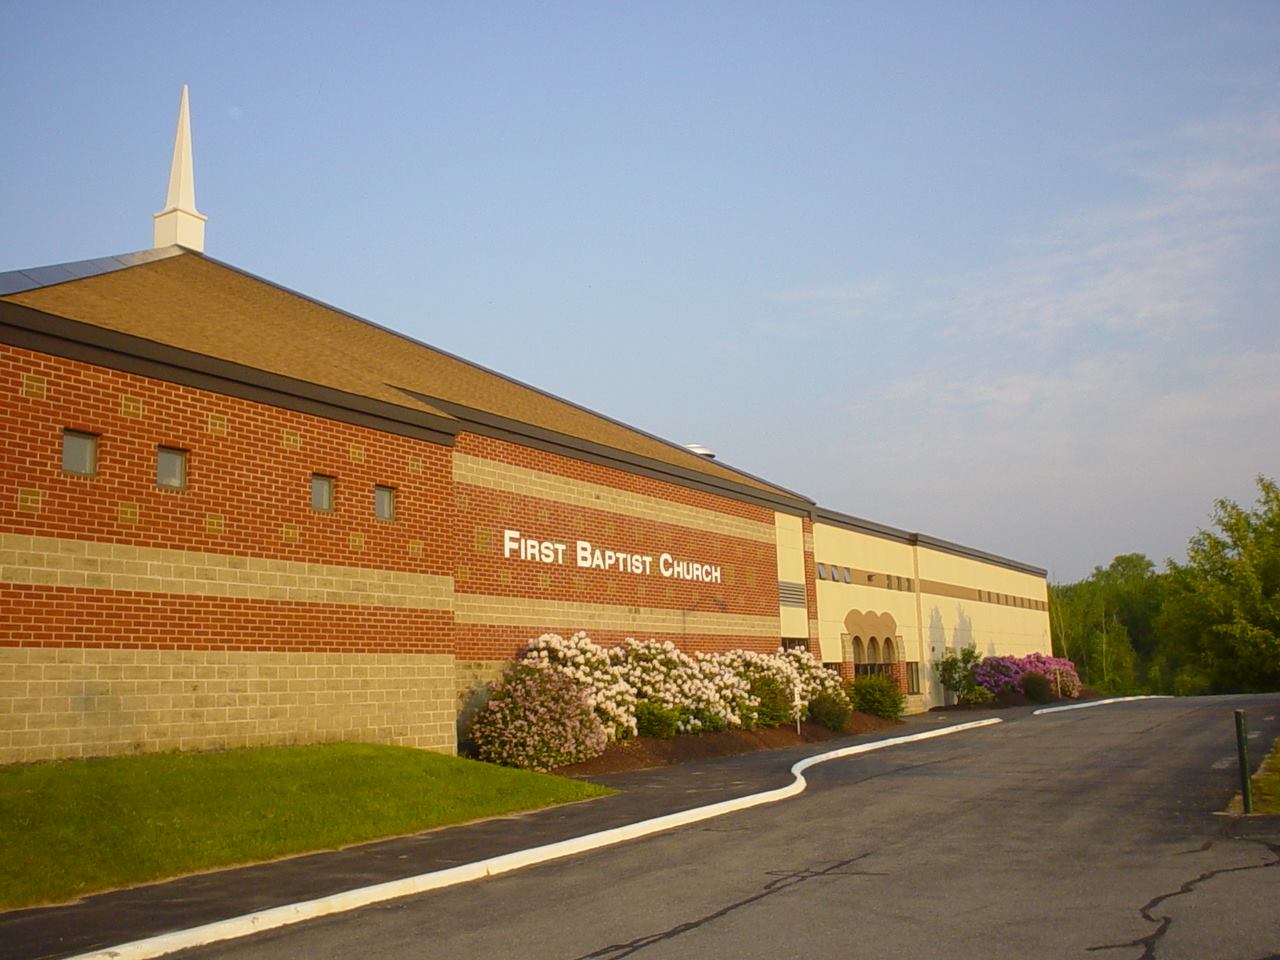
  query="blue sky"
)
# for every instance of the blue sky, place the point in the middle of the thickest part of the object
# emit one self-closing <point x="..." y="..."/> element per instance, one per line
<point x="1007" y="274"/>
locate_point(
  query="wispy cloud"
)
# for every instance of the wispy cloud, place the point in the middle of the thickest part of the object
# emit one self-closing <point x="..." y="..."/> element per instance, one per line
<point x="1151" y="266"/>
<point x="1098" y="392"/>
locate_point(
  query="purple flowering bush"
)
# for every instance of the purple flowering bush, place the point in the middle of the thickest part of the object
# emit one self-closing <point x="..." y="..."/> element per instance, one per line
<point x="998" y="674"/>
<point x="538" y="718"/>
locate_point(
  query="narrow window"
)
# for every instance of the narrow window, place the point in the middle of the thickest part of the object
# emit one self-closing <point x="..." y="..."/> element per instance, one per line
<point x="822" y="571"/>
<point x="384" y="503"/>
<point x="79" y="453"/>
<point x="848" y="575"/>
<point x="322" y="492"/>
<point x="171" y="468"/>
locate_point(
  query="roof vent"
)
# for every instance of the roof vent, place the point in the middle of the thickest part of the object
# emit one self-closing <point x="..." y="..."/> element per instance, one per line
<point x="700" y="450"/>
<point x="179" y="222"/>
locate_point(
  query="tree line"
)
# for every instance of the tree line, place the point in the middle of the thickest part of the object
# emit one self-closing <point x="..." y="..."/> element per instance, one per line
<point x="1209" y="624"/>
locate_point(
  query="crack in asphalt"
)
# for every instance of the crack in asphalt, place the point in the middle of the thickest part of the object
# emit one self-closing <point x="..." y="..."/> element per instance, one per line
<point x="783" y="880"/>
<point x="1163" y="923"/>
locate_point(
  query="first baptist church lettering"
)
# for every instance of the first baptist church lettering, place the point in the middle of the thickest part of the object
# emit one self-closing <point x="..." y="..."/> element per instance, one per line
<point x="170" y="579"/>
<point x="589" y="556"/>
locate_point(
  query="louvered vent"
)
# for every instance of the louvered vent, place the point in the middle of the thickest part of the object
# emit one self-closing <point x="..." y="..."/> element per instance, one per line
<point x="791" y="594"/>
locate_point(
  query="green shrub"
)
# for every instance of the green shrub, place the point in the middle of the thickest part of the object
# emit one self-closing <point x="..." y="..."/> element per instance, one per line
<point x="1037" y="687"/>
<point x="977" y="696"/>
<point x="776" y="698"/>
<point x="709" y="721"/>
<point x="879" y="696"/>
<point x="956" y="673"/>
<point x="538" y="718"/>
<point x="831" y="710"/>
<point x="655" y="720"/>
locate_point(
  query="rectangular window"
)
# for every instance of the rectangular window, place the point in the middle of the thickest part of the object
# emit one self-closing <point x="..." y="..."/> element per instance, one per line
<point x="322" y="492"/>
<point x="79" y="453"/>
<point x="384" y="503"/>
<point x="171" y="468"/>
<point x="913" y="677"/>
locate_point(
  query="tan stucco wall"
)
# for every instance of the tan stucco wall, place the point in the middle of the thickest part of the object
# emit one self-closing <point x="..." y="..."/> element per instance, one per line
<point x="952" y="601"/>
<point x="794" y="621"/>
<point x="863" y="553"/>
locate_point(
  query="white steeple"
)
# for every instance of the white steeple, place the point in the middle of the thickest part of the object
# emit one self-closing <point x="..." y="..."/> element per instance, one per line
<point x="179" y="222"/>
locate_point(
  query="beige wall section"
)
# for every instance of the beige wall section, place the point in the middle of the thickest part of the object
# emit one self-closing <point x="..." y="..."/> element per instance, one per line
<point x="789" y="531"/>
<point x="480" y="472"/>
<point x="861" y="552"/>
<point x="55" y="561"/>
<point x="57" y="703"/>
<point x="953" y="602"/>
<point x="994" y="628"/>
<point x="524" y="612"/>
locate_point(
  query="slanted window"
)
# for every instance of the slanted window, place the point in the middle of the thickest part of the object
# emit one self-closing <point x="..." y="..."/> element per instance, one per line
<point x="171" y="468"/>
<point x="322" y="492"/>
<point x="384" y="503"/>
<point x="79" y="453"/>
<point x="822" y="571"/>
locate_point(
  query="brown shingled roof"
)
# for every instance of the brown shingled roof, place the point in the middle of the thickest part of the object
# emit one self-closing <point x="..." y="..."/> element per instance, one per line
<point x="197" y="304"/>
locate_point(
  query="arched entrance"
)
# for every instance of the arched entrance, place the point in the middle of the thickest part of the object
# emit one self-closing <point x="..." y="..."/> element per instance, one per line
<point x="880" y="651"/>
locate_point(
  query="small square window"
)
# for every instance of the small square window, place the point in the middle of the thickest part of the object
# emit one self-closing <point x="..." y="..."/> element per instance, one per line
<point x="384" y="503"/>
<point x="322" y="492"/>
<point x="171" y="468"/>
<point x="79" y="453"/>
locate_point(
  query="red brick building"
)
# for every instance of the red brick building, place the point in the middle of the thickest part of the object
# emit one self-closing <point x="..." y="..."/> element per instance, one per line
<point x="231" y="515"/>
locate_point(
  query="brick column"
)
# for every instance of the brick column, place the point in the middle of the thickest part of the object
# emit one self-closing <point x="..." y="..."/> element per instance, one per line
<point x="899" y="671"/>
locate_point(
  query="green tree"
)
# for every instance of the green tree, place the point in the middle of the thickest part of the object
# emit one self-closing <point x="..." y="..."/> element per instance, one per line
<point x="1220" y="622"/>
<point x="1094" y="621"/>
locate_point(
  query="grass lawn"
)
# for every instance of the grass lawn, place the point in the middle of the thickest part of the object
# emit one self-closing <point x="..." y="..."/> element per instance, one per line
<point x="79" y="826"/>
<point x="1266" y="783"/>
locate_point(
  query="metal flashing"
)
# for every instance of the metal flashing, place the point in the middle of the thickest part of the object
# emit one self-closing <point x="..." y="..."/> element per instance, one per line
<point x="33" y="278"/>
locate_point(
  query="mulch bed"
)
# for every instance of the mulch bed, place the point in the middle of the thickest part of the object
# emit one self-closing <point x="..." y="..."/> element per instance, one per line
<point x="640" y="753"/>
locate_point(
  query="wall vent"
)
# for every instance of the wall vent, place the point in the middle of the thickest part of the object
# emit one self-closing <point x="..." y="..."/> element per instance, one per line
<point x="791" y="594"/>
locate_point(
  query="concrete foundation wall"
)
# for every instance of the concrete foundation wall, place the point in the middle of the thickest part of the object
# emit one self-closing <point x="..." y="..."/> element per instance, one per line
<point x="57" y="703"/>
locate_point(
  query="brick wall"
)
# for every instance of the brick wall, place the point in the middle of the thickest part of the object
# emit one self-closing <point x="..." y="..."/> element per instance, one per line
<point x="117" y="594"/>
<point x="500" y="601"/>
<point x="238" y="558"/>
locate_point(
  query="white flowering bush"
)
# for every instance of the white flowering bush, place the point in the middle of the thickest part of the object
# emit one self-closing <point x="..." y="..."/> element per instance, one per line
<point x="702" y="693"/>
<point x="774" y="683"/>
<point x="815" y="679"/>
<point x="699" y="692"/>
<point x="589" y="664"/>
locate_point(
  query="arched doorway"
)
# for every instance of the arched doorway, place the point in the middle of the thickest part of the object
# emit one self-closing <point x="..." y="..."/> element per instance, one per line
<point x="857" y="650"/>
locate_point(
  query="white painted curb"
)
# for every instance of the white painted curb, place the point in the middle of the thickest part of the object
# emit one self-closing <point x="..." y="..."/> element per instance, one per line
<point x="393" y="889"/>
<point x="1097" y="703"/>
